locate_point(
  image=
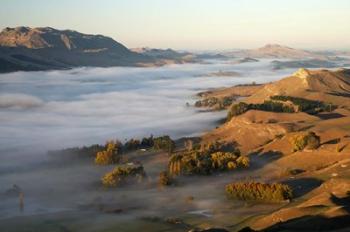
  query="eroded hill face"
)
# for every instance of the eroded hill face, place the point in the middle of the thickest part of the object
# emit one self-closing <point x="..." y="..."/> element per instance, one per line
<point x="47" y="37"/>
<point x="32" y="49"/>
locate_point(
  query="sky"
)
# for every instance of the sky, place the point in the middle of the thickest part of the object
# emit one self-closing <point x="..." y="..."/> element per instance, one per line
<point x="192" y="24"/>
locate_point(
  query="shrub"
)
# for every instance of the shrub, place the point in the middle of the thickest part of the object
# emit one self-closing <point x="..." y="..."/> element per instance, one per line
<point x="120" y="175"/>
<point x="313" y="141"/>
<point x="298" y="142"/>
<point x="220" y="160"/>
<point x="303" y="140"/>
<point x="164" y="179"/>
<point x="231" y="165"/>
<point x="254" y="191"/>
<point x="243" y="161"/>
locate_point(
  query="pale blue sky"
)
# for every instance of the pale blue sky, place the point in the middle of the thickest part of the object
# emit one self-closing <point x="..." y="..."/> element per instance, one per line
<point x="192" y="24"/>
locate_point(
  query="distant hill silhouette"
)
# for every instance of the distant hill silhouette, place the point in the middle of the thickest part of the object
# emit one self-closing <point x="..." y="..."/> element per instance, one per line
<point x="276" y="51"/>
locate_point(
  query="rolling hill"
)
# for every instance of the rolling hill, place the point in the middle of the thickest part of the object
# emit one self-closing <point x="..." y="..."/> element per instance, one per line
<point x="319" y="176"/>
<point x="320" y="85"/>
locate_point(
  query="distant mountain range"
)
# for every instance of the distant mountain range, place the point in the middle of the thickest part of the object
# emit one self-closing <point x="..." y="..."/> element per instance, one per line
<point x="24" y="48"/>
<point x="276" y="51"/>
<point x="46" y="48"/>
<point x="167" y="55"/>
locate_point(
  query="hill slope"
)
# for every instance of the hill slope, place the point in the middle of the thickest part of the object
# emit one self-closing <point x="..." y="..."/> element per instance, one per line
<point x="25" y="48"/>
<point x="322" y="85"/>
<point x="254" y="128"/>
<point x="319" y="176"/>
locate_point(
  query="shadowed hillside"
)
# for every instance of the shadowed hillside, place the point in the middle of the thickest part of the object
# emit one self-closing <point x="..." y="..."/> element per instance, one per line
<point x="28" y="49"/>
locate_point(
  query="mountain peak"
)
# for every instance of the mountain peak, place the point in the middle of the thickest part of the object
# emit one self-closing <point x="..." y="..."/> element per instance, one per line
<point x="302" y="73"/>
<point x="280" y="51"/>
<point x="273" y="46"/>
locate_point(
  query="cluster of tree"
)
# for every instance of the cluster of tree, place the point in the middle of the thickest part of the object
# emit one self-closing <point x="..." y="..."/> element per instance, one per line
<point x="273" y="106"/>
<point x="249" y="84"/>
<point x="302" y="140"/>
<point x="305" y="105"/>
<point x="237" y="109"/>
<point x="278" y="104"/>
<point x="254" y="191"/>
<point x="80" y="152"/>
<point x="164" y="143"/>
<point x="216" y="103"/>
<point x="111" y="155"/>
<point x="132" y="144"/>
<point x="206" y="159"/>
<point x="228" y="161"/>
<point x="121" y="175"/>
<point x="159" y="143"/>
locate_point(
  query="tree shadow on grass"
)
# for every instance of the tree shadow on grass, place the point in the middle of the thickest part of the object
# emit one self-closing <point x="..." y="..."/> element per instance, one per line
<point x="332" y="141"/>
<point x="302" y="186"/>
<point x="329" y="116"/>
<point x="259" y="159"/>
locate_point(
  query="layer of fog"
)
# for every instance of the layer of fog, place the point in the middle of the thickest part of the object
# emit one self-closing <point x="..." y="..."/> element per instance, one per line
<point x="58" y="109"/>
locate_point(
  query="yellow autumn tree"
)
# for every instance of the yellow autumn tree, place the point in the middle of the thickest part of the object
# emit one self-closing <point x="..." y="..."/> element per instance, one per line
<point x="110" y="155"/>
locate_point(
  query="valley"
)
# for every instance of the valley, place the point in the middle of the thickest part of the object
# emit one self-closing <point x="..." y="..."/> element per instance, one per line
<point x="318" y="174"/>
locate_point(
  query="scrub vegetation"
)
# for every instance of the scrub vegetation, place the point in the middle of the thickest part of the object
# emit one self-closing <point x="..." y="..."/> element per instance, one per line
<point x="255" y="191"/>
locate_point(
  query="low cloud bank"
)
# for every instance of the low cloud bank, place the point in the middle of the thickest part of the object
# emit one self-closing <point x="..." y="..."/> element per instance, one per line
<point x="57" y="109"/>
<point x="19" y="101"/>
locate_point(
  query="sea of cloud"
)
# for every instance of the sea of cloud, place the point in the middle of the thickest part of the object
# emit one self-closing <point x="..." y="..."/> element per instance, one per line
<point x="42" y="111"/>
<point x="57" y="109"/>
